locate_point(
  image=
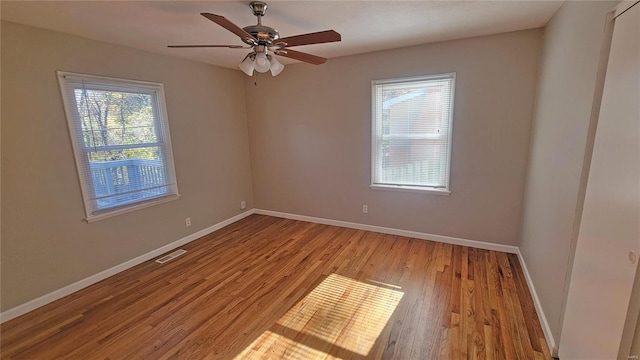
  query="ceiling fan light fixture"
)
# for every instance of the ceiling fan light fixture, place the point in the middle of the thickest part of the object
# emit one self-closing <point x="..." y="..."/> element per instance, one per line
<point x="266" y="42"/>
<point x="262" y="63"/>
<point x="276" y="66"/>
<point x="247" y="65"/>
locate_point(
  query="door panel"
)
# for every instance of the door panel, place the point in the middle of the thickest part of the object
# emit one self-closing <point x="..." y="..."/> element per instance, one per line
<point x="603" y="275"/>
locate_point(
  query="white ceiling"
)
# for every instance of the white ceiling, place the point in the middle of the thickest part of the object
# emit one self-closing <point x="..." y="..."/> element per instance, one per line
<point x="365" y="25"/>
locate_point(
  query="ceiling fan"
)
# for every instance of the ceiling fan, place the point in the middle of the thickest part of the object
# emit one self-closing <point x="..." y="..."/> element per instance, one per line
<point x="266" y="42"/>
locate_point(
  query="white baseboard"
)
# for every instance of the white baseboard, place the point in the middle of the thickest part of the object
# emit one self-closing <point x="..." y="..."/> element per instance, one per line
<point x="385" y="230"/>
<point x="546" y="329"/>
<point x="69" y="289"/>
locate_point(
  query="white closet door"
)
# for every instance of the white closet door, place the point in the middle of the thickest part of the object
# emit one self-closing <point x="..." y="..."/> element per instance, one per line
<point x="603" y="270"/>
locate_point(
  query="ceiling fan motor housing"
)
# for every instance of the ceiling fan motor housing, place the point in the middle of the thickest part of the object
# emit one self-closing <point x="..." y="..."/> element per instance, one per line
<point x="264" y="34"/>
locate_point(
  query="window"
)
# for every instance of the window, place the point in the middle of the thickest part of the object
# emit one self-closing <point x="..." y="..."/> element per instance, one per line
<point x="411" y="133"/>
<point x="120" y="137"/>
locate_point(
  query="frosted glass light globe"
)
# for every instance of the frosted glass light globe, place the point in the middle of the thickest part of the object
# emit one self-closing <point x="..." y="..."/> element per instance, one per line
<point x="262" y="63"/>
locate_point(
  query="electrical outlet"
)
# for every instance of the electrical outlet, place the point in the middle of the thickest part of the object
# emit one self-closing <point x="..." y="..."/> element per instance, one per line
<point x="243" y="205"/>
<point x="365" y="209"/>
<point x="187" y="221"/>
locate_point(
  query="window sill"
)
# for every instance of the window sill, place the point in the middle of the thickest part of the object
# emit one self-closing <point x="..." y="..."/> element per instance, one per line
<point x="142" y="205"/>
<point x="413" y="189"/>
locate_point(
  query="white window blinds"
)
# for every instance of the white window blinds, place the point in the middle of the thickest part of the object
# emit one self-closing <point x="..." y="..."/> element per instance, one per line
<point x="120" y="137"/>
<point x="411" y="132"/>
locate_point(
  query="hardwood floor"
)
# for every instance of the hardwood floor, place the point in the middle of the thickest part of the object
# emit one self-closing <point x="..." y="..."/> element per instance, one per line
<point x="267" y="287"/>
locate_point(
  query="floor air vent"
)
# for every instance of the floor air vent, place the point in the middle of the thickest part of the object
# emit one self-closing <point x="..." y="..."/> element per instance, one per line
<point x="171" y="256"/>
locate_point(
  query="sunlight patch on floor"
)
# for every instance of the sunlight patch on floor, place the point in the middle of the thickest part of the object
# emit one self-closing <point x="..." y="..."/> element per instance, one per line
<point x="341" y="316"/>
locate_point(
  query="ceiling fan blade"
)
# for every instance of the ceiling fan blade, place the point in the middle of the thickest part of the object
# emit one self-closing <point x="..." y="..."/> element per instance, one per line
<point x="222" y="21"/>
<point x="210" y="46"/>
<point x="311" y="38"/>
<point x="297" y="55"/>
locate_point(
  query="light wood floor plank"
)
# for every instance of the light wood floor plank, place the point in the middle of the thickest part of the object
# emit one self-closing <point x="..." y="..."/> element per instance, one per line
<point x="271" y="288"/>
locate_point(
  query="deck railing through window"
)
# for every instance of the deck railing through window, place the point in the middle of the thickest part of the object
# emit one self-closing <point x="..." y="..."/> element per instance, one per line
<point x="120" y="182"/>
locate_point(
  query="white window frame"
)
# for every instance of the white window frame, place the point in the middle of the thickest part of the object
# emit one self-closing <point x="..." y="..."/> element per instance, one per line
<point x="66" y="80"/>
<point x="377" y="185"/>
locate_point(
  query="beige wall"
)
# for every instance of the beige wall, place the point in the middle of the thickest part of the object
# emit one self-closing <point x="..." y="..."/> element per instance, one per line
<point x="566" y="86"/>
<point x="45" y="243"/>
<point x="310" y="131"/>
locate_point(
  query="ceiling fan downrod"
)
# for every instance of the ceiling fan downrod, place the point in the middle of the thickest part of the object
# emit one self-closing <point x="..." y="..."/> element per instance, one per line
<point x="259" y="8"/>
<point x="262" y="34"/>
